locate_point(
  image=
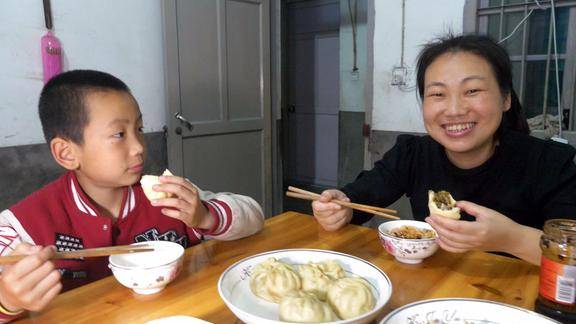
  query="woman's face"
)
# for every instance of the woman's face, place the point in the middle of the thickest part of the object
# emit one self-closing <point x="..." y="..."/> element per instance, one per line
<point x="463" y="107"/>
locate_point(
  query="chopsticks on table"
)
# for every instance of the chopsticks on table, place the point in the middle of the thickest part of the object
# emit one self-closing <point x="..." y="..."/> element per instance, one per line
<point x="307" y="195"/>
<point x="87" y="253"/>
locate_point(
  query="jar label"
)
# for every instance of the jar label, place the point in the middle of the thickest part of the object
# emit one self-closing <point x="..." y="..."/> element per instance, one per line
<point x="557" y="282"/>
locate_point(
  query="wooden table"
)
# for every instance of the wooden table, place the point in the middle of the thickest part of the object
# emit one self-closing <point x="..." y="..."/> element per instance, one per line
<point x="195" y="293"/>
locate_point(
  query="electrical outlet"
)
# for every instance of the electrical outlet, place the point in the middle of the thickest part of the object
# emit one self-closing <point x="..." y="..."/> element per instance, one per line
<point x="399" y="74"/>
<point x="354" y="75"/>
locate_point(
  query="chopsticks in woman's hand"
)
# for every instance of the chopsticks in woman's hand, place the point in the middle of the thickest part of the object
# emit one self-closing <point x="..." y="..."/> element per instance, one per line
<point x="307" y="195"/>
<point x="87" y="253"/>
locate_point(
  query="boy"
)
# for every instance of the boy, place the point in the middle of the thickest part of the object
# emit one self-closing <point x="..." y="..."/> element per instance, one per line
<point x="94" y="128"/>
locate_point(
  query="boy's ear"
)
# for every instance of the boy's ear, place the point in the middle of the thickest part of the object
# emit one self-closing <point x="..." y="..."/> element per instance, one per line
<point x="65" y="153"/>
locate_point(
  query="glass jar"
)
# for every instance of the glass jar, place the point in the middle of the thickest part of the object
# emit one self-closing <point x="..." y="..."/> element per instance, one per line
<point x="557" y="292"/>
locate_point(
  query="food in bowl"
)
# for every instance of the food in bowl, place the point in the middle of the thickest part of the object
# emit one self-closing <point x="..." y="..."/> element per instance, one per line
<point x="234" y="283"/>
<point x="279" y="282"/>
<point x="407" y="250"/>
<point x="441" y="203"/>
<point x="411" y="232"/>
<point x="148" y="181"/>
<point x="148" y="272"/>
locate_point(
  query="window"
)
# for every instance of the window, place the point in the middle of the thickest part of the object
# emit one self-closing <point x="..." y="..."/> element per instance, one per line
<point x="531" y="50"/>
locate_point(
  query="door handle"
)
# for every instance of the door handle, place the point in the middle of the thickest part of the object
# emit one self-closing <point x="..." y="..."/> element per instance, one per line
<point x="292" y="109"/>
<point x="183" y="120"/>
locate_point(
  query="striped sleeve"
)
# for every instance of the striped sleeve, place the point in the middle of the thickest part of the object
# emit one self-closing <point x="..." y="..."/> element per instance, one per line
<point x="11" y="234"/>
<point x="236" y="216"/>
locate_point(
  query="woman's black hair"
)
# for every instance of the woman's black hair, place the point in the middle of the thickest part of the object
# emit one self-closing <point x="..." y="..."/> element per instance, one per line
<point x="490" y="51"/>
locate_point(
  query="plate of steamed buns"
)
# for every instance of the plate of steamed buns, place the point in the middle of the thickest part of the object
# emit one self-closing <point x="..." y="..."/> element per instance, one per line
<point x="304" y="286"/>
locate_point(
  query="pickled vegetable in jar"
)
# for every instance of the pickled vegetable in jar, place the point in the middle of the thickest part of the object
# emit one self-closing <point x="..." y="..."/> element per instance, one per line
<point x="557" y="292"/>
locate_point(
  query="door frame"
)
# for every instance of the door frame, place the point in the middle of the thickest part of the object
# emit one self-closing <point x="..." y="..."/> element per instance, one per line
<point x="277" y="44"/>
<point x="172" y="84"/>
<point x="173" y="102"/>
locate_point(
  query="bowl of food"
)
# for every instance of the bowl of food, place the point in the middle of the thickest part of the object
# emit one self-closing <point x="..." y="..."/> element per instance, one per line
<point x="148" y="272"/>
<point x="463" y="310"/>
<point x="305" y="286"/>
<point x="409" y="241"/>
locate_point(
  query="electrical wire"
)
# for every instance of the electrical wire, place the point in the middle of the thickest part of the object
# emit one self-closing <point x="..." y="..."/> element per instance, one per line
<point x="353" y="21"/>
<point x="522" y="21"/>
<point x="517" y="26"/>
<point x="403" y="33"/>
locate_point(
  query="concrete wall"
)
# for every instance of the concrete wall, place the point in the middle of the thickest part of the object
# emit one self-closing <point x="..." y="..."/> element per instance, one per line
<point x="352" y="89"/>
<point x="352" y="83"/>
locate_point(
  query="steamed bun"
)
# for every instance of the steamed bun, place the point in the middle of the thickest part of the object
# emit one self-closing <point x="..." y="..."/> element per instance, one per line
<point x="303" y="307"/>
<point x="314" y="280"/>
<point x="331" y="268"/>
<point x="441" y="203"/>
<point x="271" y="280"/>
<point x="148" y="181"/>
<point x="350" y="297"/>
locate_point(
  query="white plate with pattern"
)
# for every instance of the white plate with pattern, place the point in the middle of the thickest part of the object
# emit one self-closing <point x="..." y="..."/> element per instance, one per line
<point x="234" y="283"/>
<point x="463" y="311"/>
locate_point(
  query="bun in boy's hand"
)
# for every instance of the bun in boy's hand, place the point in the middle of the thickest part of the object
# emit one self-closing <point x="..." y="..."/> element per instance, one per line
<point x="148" y="181"/>
<point x="441" y="203"/>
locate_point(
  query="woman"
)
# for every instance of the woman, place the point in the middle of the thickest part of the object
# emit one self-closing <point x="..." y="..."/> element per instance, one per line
<point x="506" y="182"/>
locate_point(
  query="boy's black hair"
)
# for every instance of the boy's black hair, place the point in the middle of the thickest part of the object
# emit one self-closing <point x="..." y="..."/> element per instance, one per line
<point x="497" y="58"/>
<point x="62" y="108"/>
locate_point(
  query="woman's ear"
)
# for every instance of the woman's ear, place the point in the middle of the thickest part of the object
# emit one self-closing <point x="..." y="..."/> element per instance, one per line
<point x="65" y="153"/>
<point x="508" y="101"/>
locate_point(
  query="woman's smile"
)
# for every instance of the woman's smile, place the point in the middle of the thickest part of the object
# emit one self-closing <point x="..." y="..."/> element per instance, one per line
<point x="458" y="129"/>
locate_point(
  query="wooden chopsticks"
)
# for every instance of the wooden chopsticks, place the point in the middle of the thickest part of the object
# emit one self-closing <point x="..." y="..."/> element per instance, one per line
<point x="87" y="253"/>
<point x="307" y="195"/>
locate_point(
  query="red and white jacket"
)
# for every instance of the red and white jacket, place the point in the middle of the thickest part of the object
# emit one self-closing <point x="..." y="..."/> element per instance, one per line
<point x="60" y="214"/>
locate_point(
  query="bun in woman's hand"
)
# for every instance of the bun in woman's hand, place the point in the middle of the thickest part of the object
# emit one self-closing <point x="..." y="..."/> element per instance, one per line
<point x="441" y="203"/>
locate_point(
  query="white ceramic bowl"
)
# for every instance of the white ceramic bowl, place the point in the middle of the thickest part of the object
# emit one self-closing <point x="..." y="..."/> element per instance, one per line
<point x="463" y="310"/>
<point x="234" y="284"/>
<point x="148" y="272"/>
<point x="407" y="250"/>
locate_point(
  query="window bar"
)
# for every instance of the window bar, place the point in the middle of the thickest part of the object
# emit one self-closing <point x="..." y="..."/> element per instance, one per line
<point x="523" y="56"/>
<point x="501" y="27"/>
<point x="547" y="77"/>
<point x="556" y="67"/>
<point x="569" y="87"/>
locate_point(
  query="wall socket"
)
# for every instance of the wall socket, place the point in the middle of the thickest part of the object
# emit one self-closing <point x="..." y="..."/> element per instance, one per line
<point x="399" y="75"/>
<point x="354" y="75"/>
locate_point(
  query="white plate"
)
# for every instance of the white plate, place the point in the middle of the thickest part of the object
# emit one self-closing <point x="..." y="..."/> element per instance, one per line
<point x="234" y="286"/>
<point x="462" y="310"/>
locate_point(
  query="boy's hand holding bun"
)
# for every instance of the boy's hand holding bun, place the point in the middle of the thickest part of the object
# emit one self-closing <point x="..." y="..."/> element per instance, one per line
<point x="180" y="196"/>
<point x="148" y="181"/>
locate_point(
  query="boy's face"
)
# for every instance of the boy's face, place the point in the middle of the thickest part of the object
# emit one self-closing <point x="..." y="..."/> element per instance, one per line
<point x="113" y="151"/>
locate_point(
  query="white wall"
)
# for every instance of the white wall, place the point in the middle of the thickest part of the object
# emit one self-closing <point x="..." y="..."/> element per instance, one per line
<point x="123" y="38"/>
<point x="352" y="84"/>
<point x="395" y="110"/>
